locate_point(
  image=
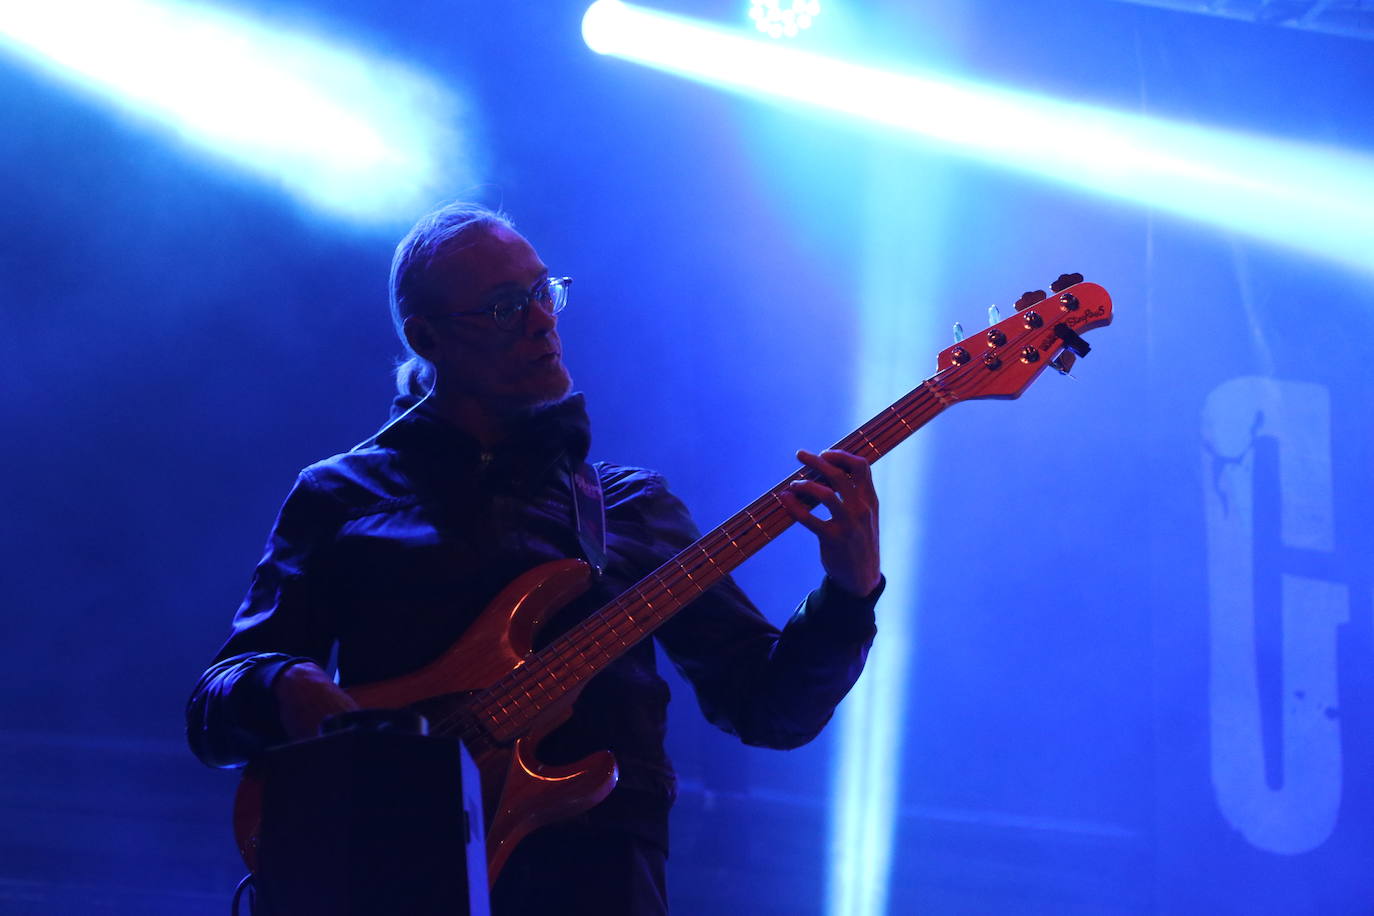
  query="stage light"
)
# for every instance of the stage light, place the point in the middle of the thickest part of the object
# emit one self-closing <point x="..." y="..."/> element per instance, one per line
<point x="360" y="137"/>
<point x="1310" y="198"/>
<point x="778" y="21"/>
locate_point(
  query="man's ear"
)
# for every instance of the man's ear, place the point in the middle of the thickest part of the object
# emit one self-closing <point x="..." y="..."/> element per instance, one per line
<point x="420" y="336"/>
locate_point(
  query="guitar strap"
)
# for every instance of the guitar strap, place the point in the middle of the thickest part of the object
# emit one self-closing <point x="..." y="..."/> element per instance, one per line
<point x="589" y="514"/>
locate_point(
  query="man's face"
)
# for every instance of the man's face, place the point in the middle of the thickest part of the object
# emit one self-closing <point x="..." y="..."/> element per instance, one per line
<point x="505" y="370"/>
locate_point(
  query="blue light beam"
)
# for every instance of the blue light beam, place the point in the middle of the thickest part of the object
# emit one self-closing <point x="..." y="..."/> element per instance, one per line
<point x="901" y="240"/>
<point x="359" y="137"/>
<point x="1309" y="198"/>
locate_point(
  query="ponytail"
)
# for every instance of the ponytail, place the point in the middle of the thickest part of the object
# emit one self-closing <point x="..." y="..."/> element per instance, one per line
<point x="414" y="376"/>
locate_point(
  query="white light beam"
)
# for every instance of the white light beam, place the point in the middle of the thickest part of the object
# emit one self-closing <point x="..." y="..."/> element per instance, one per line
<point x="1310" y="198"/>
<point x="363" y="138"/>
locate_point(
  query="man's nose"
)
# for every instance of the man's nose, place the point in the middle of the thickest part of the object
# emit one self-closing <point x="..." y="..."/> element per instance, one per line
<point x="539" y="317"/>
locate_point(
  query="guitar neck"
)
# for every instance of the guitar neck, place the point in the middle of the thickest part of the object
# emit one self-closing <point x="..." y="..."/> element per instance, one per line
<point x="513" y="703"/>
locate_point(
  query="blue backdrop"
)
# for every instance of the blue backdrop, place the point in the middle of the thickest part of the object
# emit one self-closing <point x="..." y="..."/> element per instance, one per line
<point x="1137" y="606"/>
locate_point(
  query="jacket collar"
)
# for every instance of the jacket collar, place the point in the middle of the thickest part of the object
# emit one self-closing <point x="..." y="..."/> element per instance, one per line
<point x="539" y="439"/>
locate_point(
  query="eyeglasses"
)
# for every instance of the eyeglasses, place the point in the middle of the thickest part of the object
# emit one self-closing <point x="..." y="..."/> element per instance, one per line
<point x="508" y="309"/>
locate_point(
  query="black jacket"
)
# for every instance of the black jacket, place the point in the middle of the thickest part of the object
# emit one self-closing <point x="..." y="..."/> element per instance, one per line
<point x="389" y="551"/>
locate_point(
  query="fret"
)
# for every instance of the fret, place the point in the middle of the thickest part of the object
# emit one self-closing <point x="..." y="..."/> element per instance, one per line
<point x="756" y="524"/>
<point x="613" y="625"/>
<point x="744" y="554"/>
<point x="901" y="419"/>
<point x="591" y="649"/>
<point x="729" y="537"/>
<point x="693" y="581"/>
<point x="710" y="559"/>
<point x="684" y="569"/>
<point x="664" y="585"/>
<point x="605" y="652"/>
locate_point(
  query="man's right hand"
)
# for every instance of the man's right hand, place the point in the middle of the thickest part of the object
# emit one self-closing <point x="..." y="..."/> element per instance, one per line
<point x="306" y="696"/>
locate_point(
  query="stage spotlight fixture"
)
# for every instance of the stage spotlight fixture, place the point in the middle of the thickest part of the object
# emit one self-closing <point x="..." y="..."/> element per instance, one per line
<point x="777" y="20"/>
<point x="1310" y="198"/>
<point x="355" y="135"/>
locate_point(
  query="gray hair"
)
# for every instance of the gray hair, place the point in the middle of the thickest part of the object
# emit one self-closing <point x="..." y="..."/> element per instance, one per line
<point x="415" y="288"/>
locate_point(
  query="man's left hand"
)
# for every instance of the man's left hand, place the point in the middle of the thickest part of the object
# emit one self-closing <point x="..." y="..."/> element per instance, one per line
<point x="849" y="538"/>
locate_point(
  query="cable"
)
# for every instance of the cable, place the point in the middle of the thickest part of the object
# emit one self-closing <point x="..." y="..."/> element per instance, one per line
<point x="245" y="885"/>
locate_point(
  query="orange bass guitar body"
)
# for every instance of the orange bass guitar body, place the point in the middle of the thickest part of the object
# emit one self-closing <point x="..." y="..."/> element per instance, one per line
<point x="519" y="793"/>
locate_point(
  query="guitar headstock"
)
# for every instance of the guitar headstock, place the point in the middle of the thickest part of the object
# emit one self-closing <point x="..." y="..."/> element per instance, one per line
<point x="1046" y="330"/>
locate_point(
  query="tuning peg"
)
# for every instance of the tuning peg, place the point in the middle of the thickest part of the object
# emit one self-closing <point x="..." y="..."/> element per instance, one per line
<point x="994" y="314"/>
<point x="958" y="332"/>
<point x="1063" y="362"/>
<point x="1065" y="281"/>
<point x="1030" y="298"/>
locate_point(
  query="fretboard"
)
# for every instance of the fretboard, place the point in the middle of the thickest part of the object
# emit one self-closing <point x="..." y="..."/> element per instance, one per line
<point x="508" y="707"/>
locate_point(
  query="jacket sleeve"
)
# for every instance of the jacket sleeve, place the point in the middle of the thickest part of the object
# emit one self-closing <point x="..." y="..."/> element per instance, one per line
<point x="771" y="688"/>
<point x="231" y="714"/>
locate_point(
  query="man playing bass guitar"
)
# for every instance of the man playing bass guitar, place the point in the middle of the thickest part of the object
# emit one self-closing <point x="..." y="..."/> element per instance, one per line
<point x="388" y="553"/>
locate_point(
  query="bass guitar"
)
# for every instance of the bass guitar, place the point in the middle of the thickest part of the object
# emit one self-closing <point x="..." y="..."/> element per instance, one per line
<point x="492" y="691"/>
